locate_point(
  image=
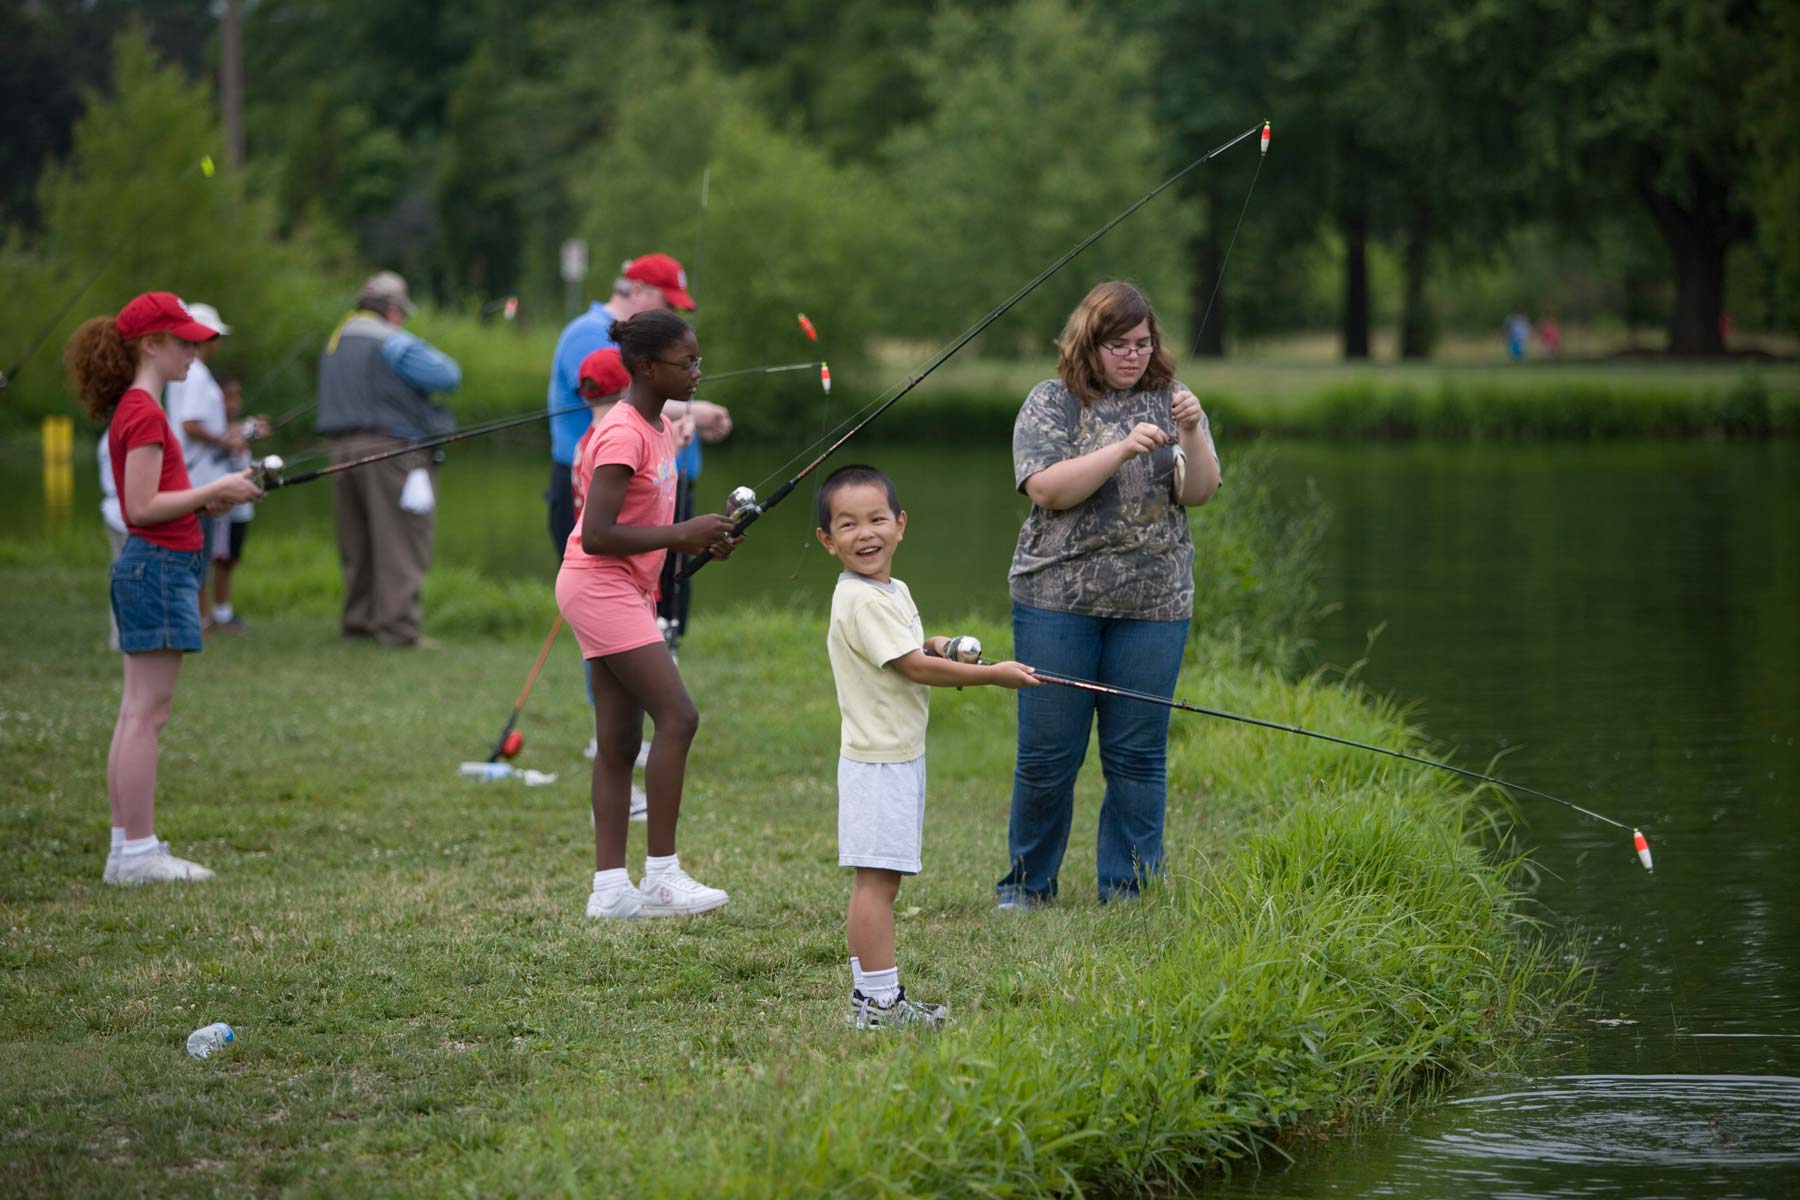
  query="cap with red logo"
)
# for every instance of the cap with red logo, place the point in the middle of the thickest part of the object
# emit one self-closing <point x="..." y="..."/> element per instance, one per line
<point x="160" y="312"/>
<point x="659" y="270"/>
<point x="602" y="374"/>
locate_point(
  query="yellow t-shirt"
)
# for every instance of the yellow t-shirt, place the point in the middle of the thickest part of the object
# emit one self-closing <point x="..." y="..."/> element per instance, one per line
<point x="885" y="713"/>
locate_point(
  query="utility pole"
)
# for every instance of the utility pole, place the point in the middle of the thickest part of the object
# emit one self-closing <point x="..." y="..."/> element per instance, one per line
<point x="231" y="85"/>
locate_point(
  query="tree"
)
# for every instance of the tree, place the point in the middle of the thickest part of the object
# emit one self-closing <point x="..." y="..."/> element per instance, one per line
<point x="132" y="210"/>
<point x="1027" y="150"/>
<point x="1651" y="103"/>
<point x="787" y="230"/>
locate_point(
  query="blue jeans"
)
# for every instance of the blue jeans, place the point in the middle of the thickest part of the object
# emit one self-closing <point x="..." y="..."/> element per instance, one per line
<point x="156" y="597"/>
<point x="1054" y="723"/>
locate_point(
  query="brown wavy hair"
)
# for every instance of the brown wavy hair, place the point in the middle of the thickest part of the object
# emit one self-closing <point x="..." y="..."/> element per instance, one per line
<point x="101" y="366"/>
<point x="1110" y="310"/>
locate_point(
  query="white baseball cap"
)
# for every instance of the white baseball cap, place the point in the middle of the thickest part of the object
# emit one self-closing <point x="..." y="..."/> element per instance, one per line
<point x="208" y="316"/>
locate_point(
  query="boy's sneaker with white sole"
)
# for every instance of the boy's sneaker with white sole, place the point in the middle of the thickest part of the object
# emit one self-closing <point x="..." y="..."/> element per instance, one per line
<point x="866" y="1014"/>
<point x="618" y="904"/>
<point x="675" y="893"/>
<point x="157" y="866"/>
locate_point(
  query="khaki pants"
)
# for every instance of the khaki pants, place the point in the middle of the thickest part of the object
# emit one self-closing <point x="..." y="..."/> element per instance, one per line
<point x="383" y="550"/>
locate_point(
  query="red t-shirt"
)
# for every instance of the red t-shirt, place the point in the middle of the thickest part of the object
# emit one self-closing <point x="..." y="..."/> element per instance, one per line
<point x="624" y="438"/>
<point x="140" y="421"/>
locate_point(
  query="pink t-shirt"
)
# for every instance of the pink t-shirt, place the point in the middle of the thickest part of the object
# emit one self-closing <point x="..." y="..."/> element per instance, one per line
<point x="140" y="421"/>
<point x="624" y="438"/>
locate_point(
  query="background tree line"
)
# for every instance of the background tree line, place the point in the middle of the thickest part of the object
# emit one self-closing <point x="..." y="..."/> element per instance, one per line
<point x="897" y="167"/>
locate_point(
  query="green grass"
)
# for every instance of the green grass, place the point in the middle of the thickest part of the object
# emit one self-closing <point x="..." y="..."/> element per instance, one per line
<point x="423" y="1009"/>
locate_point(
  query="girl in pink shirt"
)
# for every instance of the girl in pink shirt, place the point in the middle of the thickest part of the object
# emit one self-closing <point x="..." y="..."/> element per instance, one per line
<point x="607" y="591"/>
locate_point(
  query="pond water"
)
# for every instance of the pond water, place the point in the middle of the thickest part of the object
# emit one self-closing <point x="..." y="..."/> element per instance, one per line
<point x="1619" y="622"/>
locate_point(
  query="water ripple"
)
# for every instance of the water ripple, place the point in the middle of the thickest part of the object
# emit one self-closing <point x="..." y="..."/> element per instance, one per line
<point x="1665" y="1121"/>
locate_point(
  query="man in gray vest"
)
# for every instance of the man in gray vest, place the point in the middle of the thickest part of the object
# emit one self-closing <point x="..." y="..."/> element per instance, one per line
<point x="375" y="385"/>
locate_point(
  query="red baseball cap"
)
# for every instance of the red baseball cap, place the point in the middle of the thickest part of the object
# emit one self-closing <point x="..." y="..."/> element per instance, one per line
<point x="602" y="374"/>
<point x="160" y="312"/>
<point x="659" y="270"/>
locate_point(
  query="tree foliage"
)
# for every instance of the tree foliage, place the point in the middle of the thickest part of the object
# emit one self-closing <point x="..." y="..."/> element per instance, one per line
<point x="906" y="164"/>
<point x="132" y="210"/>
<point x="1028" y="149"/>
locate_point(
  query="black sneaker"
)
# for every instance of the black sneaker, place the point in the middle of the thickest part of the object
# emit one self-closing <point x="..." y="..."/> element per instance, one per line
<point x="866" y="1014"/>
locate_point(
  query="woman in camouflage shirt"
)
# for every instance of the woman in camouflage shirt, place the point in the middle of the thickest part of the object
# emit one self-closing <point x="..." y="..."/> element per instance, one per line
<point x="1111" y="454"/>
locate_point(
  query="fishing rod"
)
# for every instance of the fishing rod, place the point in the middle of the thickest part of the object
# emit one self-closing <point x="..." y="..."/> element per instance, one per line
<point x="270" y="469"/>
<point x="205" y="167"/>
<point x="510" y="741"/>
<point x="824" y="372"/>
<point x="269" y="472"/>
<point x="745" y="509"/>
<point x="968" y="649"/>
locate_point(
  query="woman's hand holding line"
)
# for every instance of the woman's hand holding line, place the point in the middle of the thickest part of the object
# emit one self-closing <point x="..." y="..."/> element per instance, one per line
<point x="1143" y="438"/>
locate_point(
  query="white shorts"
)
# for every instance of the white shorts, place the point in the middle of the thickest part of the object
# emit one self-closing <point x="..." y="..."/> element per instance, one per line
<point x="881" y="814"/>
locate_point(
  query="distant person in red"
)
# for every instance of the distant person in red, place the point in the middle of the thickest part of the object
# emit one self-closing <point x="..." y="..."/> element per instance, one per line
<point x="119" y="366"/>
<point x="1549" y="335"/>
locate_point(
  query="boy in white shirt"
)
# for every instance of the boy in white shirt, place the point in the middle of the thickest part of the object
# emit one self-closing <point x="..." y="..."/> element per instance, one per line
<point x="884" y="666"/>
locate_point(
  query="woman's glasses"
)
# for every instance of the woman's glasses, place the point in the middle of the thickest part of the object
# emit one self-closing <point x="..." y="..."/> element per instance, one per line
<point x="1129" y="349"/>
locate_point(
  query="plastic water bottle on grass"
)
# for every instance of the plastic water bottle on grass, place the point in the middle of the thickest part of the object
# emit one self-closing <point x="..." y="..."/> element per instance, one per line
<point x="202" y="1042"/>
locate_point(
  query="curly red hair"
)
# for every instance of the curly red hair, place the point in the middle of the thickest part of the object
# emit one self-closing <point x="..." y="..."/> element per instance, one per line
<point x="100" y="365"/>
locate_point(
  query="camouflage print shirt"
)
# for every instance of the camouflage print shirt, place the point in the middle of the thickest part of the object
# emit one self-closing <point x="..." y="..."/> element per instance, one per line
<point x="1125" y="550"/>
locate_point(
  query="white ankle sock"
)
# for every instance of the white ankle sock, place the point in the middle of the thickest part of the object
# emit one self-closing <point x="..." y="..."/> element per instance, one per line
<point x="856" y="974"/>
<point x="655" y="865"/>
<point x="118" y="838"/>
<point x="611" y="880"/>
<point x="882" y="986"/>
<point x="138" y="845"/>
<point x="222" y="613"/>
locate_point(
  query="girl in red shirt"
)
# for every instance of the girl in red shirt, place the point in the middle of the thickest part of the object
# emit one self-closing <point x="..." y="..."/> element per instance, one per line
<point x="119" y="365"/>
<point x="607" y="592"/>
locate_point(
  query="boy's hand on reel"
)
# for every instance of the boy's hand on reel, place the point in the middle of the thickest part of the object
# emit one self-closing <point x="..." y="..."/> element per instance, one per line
<point x="1014" y="675"/>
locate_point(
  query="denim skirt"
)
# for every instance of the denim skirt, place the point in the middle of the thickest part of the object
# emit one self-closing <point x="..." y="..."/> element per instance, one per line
<point x="156" y="597"/>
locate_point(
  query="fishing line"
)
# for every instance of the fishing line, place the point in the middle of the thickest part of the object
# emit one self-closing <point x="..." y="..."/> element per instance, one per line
<point x="693" y="279"/>
<point x="1200" y="329"/>
<point x="968" y="649"/>
<point x="749" y="512"/>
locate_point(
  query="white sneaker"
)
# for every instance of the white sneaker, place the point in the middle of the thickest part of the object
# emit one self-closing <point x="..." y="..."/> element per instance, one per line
<point x="157" y="866"/>
<point x="618" y="904"/>
<point x="112" y="867"/>
<point x="593" y="749"/>
<point x="675" y="893"/>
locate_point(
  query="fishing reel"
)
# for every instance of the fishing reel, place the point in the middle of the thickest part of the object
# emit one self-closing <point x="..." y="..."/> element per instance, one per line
<point x="742" y="503"/>
<point x="265" y="473"/>
<point x="965" y="648"/>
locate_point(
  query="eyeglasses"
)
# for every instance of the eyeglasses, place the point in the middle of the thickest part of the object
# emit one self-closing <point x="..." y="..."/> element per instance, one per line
<point x="689" y="365"/>
<point x="1128" y="349"/>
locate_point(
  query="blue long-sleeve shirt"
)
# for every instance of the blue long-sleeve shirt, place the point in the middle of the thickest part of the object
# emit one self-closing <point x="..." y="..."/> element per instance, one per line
<point x="420" y="363"/>
<point x="581" y="337"/>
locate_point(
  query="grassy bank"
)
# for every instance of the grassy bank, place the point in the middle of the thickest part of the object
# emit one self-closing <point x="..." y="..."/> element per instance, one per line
<point x="423" y="1008"/>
